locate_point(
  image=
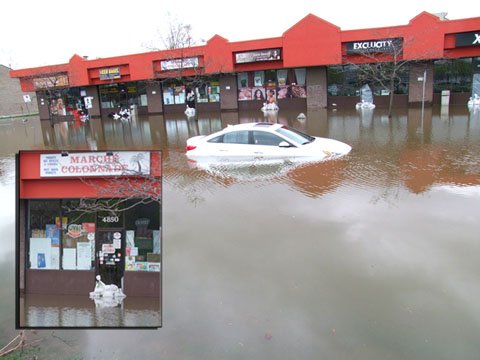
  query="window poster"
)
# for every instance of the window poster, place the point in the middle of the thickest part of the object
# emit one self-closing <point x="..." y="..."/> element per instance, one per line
<point x="245" y="94"/>
<point x="84" y="256"/>
<point x="55" y="258"/>
<point x="53" y="232"/>
<point x="40" y="253"/>
<point x="130" y="236"/>
<point x="129" y="263"/>
<point x="168" y="96"/>
<point x="156" y="241"/>
<point x="153" y="266"/>
<point x="141" y="266"/>
<point x="69" y="259"/>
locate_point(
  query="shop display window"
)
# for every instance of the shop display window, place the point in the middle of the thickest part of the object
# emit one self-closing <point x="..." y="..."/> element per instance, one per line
<point x="63" y="238"/>
<point x="173" y="94"/>
<point x="454" y="74"/>
<point x="44" y="239"/>
<point x="123" y="94"/>
<point x="347" y="80"/>
<point x="143" y="238"/>
<point x="279" y="84"/>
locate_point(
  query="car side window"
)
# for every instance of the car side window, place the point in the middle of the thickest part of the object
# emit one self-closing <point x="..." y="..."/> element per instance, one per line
<point x="236" y="137"/>
<point x="216" y="139"/>
<point x="265" y="138"/>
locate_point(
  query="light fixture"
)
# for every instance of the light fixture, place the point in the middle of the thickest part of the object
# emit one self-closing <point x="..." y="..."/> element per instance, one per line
<point x="109" y="153"/>
<point x="64" y="153"/>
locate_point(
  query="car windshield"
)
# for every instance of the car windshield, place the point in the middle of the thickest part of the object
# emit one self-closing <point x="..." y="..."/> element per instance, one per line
<point x="295" y="135"/>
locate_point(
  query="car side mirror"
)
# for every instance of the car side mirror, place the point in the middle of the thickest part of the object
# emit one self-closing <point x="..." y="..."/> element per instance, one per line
<point x="284" y="144"/>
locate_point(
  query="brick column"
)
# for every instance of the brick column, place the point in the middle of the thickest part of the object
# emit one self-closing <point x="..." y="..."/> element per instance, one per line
<point x="316" y="87"/>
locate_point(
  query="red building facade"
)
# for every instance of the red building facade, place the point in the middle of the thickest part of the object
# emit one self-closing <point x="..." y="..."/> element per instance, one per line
<point x="314" y="63"/>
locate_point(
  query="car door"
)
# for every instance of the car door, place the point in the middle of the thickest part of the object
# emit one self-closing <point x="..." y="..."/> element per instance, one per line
<point x="235" y="146"/>
<point x="267" y="146"/>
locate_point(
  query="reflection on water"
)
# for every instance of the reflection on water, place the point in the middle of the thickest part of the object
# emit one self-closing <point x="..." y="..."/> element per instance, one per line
<point x="77" y="311"/>
<point x="372" y="256"/>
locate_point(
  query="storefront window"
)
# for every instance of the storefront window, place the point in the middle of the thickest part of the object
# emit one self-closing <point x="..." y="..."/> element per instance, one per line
<point x="44" y="228"/>
<point x="64" y="101"/>
<point x="208" y="91"/>
<point x="347" y="80"/>
<point x="63" y="238"/>
<point x="454" y="74"/>
<point x="78" y="237"/>
<point x="173" y="93"/>
<point x="142" y="228"/>
<point x="272" y="84"/>
<point x="123" y="94"/>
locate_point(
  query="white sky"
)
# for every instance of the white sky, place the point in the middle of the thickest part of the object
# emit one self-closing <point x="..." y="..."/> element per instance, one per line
<point x="46" y="32"/>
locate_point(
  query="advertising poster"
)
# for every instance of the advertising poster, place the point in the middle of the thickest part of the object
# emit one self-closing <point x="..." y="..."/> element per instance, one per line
<point x="130" y="236"/>
<point x="69" y="259"/>
<point x="40" y="253"/>
<point x="130" y="263"/>
<point x="55" y="258"/>
<point x="156" y="241"/>
<point x="84" y="255"/>
<point x="153" y="266"/>
<point x="141" y="266"/>
<point x="53" y="232"/>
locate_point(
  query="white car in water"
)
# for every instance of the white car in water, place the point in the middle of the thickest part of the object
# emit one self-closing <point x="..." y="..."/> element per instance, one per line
<point x="264" y="142"/>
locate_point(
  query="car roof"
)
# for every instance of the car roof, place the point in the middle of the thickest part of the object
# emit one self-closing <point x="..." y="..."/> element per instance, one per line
<point x="253" y="126"/>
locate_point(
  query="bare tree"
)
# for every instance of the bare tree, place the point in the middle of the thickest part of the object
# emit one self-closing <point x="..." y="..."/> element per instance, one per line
<point x="53" y="86"/>
<point x="384" y="70"/>
<point x="178" y="35"/>
<point x="119" y="193"/>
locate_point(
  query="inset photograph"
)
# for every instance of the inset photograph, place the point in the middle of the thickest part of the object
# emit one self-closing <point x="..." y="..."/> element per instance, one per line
<point x="89" y="239"/>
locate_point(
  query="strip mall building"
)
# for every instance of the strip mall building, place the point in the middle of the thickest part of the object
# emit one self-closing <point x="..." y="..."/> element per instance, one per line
<point x="313" y="64"/>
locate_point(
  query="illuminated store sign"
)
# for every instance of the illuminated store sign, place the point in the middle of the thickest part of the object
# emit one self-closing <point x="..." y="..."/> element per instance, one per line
<point x="110" y="73"/>
<point x="468" y="39"/>
<point x="259" y="55"/>
<point x="95" y="164"/>
<point x="175" y="64"/>
<point x="371" y="46"/>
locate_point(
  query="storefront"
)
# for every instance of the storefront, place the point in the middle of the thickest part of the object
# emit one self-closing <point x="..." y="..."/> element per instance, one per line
<point x="313" y="63"/>
<point x="74" y="223"/>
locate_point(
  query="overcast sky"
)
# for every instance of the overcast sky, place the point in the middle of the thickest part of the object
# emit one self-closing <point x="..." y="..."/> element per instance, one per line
<point x="36" y="32"/>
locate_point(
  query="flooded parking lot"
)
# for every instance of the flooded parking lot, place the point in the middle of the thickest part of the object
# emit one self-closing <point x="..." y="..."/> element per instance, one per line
<point x="372" y="256"/>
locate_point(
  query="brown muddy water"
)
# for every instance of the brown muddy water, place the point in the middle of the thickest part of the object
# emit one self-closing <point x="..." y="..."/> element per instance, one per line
<point x="374" y="256"/>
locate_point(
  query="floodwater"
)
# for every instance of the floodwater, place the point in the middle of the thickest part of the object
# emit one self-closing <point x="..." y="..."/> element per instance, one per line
<point x="372" y="256"/>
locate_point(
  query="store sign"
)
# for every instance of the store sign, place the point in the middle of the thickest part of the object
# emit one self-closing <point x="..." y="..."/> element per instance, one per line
<point x="48" y="82"/>
<point x="468" y="39"/>
<point x="175" y="64"/>
<point x="259" y="55"/>
<point x="372" y="46"/>
<point x="110" y="73"/>
<point x="95" y="164"/>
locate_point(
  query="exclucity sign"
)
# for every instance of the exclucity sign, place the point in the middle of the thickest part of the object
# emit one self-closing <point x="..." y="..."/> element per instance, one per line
<point x="467" y="39"/>
<point x="122" y="163"/>
<point x="371" y="46"/>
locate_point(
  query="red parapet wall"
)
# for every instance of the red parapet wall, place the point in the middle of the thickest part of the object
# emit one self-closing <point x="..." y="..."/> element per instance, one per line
<point x="310" y="42"/>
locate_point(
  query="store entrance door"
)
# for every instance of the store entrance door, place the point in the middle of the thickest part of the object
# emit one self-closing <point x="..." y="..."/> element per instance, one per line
<point x="110" y="255"/>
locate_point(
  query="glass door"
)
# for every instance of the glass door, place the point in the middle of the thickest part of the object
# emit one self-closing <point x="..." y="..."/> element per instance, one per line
<point x="110" y="255"/>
